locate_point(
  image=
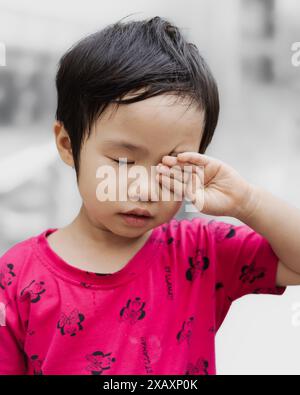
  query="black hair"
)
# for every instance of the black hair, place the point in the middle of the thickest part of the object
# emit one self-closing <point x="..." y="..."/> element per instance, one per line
<point x="150" y="56"/>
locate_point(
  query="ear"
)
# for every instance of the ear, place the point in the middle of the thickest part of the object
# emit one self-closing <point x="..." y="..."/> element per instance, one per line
<point x="63" y="143"/>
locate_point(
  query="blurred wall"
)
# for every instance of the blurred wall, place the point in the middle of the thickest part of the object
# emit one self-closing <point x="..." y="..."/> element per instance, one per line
<point x="247" y="45"/>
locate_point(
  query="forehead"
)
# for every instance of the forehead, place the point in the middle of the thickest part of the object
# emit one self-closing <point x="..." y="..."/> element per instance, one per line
<point x="155" y="124"/>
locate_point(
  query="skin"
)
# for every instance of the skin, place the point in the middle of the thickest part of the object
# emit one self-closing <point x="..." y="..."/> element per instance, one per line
<point x="223" y="191"/>
<point x="102" y="237"/>
<point x="215" y="188"/>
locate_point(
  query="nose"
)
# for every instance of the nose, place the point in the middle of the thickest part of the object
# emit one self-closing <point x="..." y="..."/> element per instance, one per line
<point x="145" y="187"/>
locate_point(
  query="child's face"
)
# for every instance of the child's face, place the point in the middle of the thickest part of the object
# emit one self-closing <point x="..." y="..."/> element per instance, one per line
<point x="158" y="127"/>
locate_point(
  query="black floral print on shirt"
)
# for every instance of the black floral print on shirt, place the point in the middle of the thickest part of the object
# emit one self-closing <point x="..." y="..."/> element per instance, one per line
<point x="33" y="291"/>
<point x="186" y="330"/>
<point x="198" y="264"/>
<point x="133" y="311"/>
<point x="99" y="362"/>
<point x="268" y="290"/>
<point x="250" y="273"/>
<point x="170" y="239"/>
<point x="200" y="367"/>
<point x="221" y="230"/>
<point x="70" y="324"/>
<point x="6" y="275"/>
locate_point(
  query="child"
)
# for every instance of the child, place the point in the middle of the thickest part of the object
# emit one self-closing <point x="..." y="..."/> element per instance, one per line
<point x="114" y="293"/>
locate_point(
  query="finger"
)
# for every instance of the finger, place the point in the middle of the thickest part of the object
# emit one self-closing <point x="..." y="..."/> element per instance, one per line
<point x="210" y="165"/>
<point x="194" y="157"/>
<point x="171" y="161"/>
<point x="170" y="185"/>
<point x="175" y="172"/>
<point x="195" y="191"/>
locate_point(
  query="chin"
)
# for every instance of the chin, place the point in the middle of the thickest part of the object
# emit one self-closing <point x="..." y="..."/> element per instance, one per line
<point x="131" y="232"/>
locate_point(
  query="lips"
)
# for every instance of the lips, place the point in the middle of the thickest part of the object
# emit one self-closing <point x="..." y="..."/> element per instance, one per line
<point x="139" y="212"/>
<point x="137" y="217"/>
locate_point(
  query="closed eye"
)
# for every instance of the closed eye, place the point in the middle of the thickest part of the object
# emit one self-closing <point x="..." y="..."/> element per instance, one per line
<point x="121" y="161"/>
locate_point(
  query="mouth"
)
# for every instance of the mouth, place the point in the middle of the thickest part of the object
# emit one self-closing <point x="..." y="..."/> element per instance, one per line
<point x="138" y="212"/>
<point x="137" y="217"/>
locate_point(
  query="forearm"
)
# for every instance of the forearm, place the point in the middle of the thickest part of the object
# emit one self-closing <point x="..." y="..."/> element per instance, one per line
<point x="277" y="221"/>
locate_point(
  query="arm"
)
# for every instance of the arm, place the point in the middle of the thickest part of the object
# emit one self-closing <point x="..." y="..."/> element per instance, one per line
<point x="215" y="188"/>
<point x="279" y="223"/>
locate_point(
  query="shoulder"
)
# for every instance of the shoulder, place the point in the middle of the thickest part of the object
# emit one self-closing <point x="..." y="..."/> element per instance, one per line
<point x="190" y="247"/>
<point x="14" y="263"/>
<point x="212" y="229"/>
<point x="190" y="231"/>
<point x="203" y="234"/>
<point x="187" y="227"/>
<point x="13" y="260"/>
<point x="183" y="236"/>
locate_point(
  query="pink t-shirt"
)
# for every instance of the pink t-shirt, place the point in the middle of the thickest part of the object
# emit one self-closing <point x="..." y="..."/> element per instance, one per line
<point x="157" y="315"/>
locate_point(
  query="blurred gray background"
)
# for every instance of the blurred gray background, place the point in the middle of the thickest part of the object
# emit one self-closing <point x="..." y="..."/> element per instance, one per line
<point x="247" y="44"/>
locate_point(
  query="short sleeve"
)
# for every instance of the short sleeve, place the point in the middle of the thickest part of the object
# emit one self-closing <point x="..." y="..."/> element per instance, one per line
<point x="12" y="360"/>
<point x="245" y="261"/>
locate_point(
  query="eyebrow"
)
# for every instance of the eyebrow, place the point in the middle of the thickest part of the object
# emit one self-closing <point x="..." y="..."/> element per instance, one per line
<point x="126" y="145"/>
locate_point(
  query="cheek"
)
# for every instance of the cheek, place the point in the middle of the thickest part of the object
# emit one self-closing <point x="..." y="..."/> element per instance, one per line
<point x="98" y="185"/>
<point x="87" y="183"/>
<point x="169" y="209"/>
<point x="89" y="180"/>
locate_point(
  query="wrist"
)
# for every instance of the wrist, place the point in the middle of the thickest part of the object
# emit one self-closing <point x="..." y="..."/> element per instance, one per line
<point x="250" y="204"/>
